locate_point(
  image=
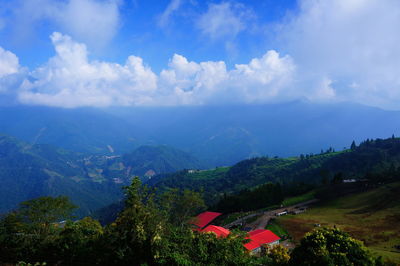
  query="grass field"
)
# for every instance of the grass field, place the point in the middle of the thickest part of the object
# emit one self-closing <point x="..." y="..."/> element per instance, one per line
<point x="277" y="228"/>
<point x="301" y="198"/>
<point x="372" y="217"/>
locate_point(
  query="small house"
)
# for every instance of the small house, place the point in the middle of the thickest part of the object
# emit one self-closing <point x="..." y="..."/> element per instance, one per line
<point x="203" y="219"/>
<point x="260" y="240"/>
<point x="217" y="230"/>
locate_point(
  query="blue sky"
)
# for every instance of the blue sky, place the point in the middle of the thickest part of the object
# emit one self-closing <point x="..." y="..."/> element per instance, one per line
<point x="148" y="30"/>
<point x="72" y="53"/>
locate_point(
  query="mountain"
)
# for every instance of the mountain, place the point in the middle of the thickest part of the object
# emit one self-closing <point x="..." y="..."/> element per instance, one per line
<point x="217" y="135"/>
<point x="91" y="181"/>
<point x="29" y="171"/>
<point x="226" y="134"/>
<point x="152" y="160"/>
<point x="372" y="159"/>
<point x="83" y="130"/>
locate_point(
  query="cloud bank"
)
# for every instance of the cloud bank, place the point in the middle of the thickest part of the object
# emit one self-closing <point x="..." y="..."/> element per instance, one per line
<point x="343" y="50"/>
<point x="70" y="79"/>
<point x="347" y="48"/>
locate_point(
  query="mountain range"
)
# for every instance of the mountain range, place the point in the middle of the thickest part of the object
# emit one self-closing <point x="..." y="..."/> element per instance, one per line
<point x="91" y="181"/>
<point x="216" y="135"/>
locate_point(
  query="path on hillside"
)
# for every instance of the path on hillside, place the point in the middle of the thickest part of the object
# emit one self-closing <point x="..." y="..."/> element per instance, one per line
<point x="262" y="222"/>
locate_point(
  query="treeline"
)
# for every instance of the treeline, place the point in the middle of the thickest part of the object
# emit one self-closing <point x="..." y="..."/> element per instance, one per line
<point x="376" y="160"/>
<point x="247" y="200"/>
<point x="153" y="230"/>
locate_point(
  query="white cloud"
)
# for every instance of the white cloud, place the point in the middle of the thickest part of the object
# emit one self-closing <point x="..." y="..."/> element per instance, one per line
<point x="91" y="21"/>
<point x="224" y="21"/>
<point x="350" y="42"/>
<point x="8" y="63"/>
<point x="10" y="69"/>
<point x="94" y="22"/>
<point x="171" y="8"/>
<point x="69" y="79"/>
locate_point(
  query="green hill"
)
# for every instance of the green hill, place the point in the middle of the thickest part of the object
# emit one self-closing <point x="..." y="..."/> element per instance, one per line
<point x="29" y="171"/>
<point x="160" y="159"/>
<point x="90" y="181"/>
<point x="372" y="216"/>
<point x="372" y="159"/>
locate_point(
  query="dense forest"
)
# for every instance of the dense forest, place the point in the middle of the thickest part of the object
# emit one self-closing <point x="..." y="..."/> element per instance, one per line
<point x="372" y="159"/>
<point x="91" y="181"/>
<point x="153" y="230"/>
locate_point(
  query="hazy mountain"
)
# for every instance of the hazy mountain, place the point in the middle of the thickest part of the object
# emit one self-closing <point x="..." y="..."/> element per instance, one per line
<point x="219" y="135"/>
<point x="224" y="135"/>
<point x="91" y="181"/>
<point x="83" y="129"/>
<point x="151" y="160"/>
<point x="29" y="171"/>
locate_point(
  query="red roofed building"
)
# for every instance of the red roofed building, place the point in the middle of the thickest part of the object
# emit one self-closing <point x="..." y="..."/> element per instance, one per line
<point x="203" y="219"/>
<point x="218" y="230"/>
<point x="259" y="238"/>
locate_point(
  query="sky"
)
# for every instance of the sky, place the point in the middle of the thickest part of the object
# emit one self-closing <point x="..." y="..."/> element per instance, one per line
<point x="74" y="53"/>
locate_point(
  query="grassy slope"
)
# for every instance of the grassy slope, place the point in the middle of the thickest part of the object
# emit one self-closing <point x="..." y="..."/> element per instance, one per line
<point x="298" y="199"/>
<point x="373" y="217"/>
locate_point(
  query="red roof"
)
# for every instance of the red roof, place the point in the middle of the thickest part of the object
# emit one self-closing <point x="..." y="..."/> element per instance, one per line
<point x="218" y="230"/>
<point x="205" y="218"/>
<point x="260" y="237"/>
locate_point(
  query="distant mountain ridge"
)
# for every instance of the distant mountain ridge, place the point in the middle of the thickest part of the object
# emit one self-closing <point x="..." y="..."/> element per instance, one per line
<point x="150" y="160"/>
<point x="91" y="181"/>
<point x="217" y="135"/>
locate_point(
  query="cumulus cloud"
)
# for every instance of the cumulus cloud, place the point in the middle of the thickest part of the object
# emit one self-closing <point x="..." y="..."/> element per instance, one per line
<point x="69" y="79"/>
<point x="93" y="21"/>
<point x="350" y="42"/>
<point x="8" y="63"/>
<point x="224" y="20"/>
<point x="10" y="72"/>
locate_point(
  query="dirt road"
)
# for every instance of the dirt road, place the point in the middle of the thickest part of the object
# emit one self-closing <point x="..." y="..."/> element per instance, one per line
<point x="262" y="222"/>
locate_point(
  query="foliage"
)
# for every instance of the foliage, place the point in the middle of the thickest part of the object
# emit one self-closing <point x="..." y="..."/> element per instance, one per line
<point x="247" y="200"/>
<point x="330" y="246"/>
<point x="40" y="213"/>
<point x="180" y="206"/>
<point x="152" y="229"/>
<point x="374" y="160"/>
<point x="298" y="199"/>
<point x="279" y="255"/>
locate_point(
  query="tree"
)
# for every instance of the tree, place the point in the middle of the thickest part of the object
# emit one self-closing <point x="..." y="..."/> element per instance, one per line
<point x="138" y="233"/>
<point x="279" y="255"/>
<point x="40" y="213"/>
<point x="353" y="145"/>
<point x="331" y="246"/>
<point x="77" y="242"/>
<point x="180" y="206"/>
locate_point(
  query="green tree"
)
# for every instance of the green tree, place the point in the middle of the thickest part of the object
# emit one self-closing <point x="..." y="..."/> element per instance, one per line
<point x="180" y="206"/>
<point x="137" y="234"/>
<point x="77" y="242"/>
<point x="331" y="246"/>
<point x="279" y="255"/>
<point x="353" y="145"/>
<point x="40" y="214"/>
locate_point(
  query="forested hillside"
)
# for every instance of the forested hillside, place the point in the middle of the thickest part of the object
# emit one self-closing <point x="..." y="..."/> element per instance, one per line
<point x="371" y="159"/>
<point x="91" y="181"/>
